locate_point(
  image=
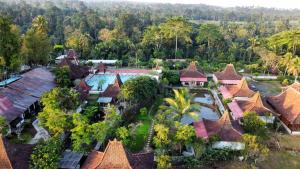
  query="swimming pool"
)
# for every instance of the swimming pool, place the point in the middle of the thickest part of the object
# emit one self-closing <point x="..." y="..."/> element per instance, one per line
<point x="205" y="112"/>
<point x="107" y="79"/>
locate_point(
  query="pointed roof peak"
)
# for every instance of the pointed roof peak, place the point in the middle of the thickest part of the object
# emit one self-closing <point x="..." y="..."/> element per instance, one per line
<point x="192" y="66"/>
<point x="114" y="156"/>
<point x="118" y="81"/>
<point x="225" y="120"/>
<point x="4" y="160"/>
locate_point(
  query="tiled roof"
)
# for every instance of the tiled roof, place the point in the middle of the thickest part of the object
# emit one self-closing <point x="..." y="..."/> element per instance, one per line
<point x="76" y="71"/>
<point x="192" y="72"/>
<point x="222" y="128"/>
<point x="254" y="104"/>
<point x="116" y="157"/>
<point x="113" y="89"/>
<point x="4" y="160"/>
<point x="239" y="90"/>
<point x="288" y="105"/>
<point x="228" y="73"/>
<point x="295" y="85"/>
<point x="83" y="88"/>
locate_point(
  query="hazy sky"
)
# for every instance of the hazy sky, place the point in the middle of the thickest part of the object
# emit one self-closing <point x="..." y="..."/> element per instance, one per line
<point x="287" y="4"/>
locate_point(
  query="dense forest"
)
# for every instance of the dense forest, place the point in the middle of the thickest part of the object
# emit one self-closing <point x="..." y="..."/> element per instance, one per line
<point x="138" y="33"/>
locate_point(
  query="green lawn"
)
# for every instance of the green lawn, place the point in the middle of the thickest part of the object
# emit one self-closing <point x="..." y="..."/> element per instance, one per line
<point x="144" y="123"/>
<point x="281" y="160"/>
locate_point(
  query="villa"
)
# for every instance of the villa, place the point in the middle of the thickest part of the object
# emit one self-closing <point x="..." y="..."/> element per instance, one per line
<point x="228" y="76"/>
<point x="111" y="92"/>
<point x="192" y="77"/>
<point x="20" y="98"/>
<point x="228" y="132"/>
<point x="241" y="90"/>
<point x="115" y="156"/>
<point x="254" y="104"/>
<point x="287" y="104"/>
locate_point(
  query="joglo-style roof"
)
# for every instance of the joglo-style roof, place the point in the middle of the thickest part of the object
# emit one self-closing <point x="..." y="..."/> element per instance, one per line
<point x="287" y="104"/>
<point x="4" y="160"/>
<point x="240" y="90"/>
<point x="223" y="128"/>
<point x="76" y="71"/>
<point x="192" y="74"/>
<point x="116" y="157"/>
<point x="228" y="73"/>
<point x="113" y="89"/>
<point x="254" y="104"/>
<point x="295" y="85"/>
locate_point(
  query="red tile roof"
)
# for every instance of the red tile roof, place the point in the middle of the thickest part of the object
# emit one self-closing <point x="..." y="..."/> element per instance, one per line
<point x="287" y="104"/>
<point x="113" y="89"/>
<point x="222" y="128"/>
<point x="295" y="85"/>
<point x="228" y="73"/>
<point x="4" y="160"/>
<point x="76" y="71"/>
<point x="192" y="74"/>
<point x="83" y="88"/>
<point x="116" y="157"/>
<point x="239" y="90"/>
<point x="254" y="104"/>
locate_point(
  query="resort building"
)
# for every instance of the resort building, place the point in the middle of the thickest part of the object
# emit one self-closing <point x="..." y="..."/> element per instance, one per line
<point x="287" y="105"/>
<point x="20" y="98"/>
<point x="241" y="90"/>
<point x="254" y="104"/>
<point x="83" y="88"/>
<point x="76" y="71"/>
<point x="192" y="77"/>
<point x="14" y="156"/>
<point x="101" y="68"/>
<point x="228" y="132"/>
<point x="110" y="95"/>
<point x="295" y="85"/>
<point x="115" y="156"/>
<point x="228" y="76"/>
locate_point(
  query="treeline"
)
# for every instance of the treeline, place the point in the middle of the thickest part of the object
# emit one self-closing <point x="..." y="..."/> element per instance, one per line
<point x="137" y="33"/>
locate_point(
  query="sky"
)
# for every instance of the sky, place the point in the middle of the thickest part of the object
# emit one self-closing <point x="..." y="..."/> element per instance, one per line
<point x="283" y="4"/>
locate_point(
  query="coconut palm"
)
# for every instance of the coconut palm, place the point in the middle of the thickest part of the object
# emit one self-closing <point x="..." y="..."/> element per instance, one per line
<point x="181" y="105"/>
<point x="294" y="67"/>
<point x="286" y="61"/>
<point x="40" y="24"/>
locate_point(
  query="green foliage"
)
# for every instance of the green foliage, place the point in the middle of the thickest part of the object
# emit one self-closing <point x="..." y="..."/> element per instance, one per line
<point x="163" y="162"/>
<point x="171" y="75"/>
<point x="140" y="90"/>
<point x="181" y="104"/>
<point x="46" y="154"/>
<point x="3" y="126"/>
<point x="160" y="138"/>
<point x="253" y="149"/>
<point x="212" y="155"/>
<point x="184" y="134"/>
<point x="80" y="42"/>
<point x="253" y="124"/>
<point x="9" y="42"/>
<point x="143" y="111"/>
<point x="62" y="76"/>
<point x="285" y="82"/>
<point x="123" y="135"/>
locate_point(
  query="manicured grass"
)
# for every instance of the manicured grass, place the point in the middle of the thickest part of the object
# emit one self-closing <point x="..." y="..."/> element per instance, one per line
<point x="281" y="160"/>
<point x="142" y="129"/>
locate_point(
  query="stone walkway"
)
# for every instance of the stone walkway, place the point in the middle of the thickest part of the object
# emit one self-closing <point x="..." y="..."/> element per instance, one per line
<point x="147" y="147"/>
<point x="41" y="133"/>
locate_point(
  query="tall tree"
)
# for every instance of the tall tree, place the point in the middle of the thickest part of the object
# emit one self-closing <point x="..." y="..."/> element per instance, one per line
<point x="177" y="28"/>
<point x="286" y="61"/>
<point x="294" y="67"/>
<point x="40" y="24"/>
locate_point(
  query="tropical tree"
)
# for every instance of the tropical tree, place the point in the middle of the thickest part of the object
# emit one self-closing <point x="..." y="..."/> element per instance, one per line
<point x="62" y="76"/>
<point x="253" y="149"/>
<point x="184" y="134"/>
<point x="253" y="124"/>
<point x="161" y="138"/>
<point x="40" y="24"/>
<point x="181" y="104"/>
<point x="81" y="42"/>
<point x="286" y="61"/>
<point x="164" y="162"/>
<point x="153" y="36"/>
<point x="47" y="154"/>
<point x="253" y="43"/>
<point x="3" y="125"/>
<point x="177" y="28"/>
<point x="123" y="135"/>
<point x="294" y="67"/>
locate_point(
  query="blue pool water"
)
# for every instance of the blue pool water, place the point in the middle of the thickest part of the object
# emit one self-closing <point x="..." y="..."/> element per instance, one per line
<point x="107" y="79"/>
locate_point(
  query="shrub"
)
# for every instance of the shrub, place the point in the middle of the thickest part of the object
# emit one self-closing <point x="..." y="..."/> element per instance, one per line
<point x="253" y="124"/>
<point x="171" y="75"/>
<point x="285" y="82"/>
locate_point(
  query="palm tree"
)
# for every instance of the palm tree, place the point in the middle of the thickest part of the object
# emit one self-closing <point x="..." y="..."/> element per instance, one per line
<point x="181" y="105"/>
<point x="286" y="60"/>
<point x="40" y="24"/>
<point x="294" y="67"/>
<point x="253" y="42"/>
